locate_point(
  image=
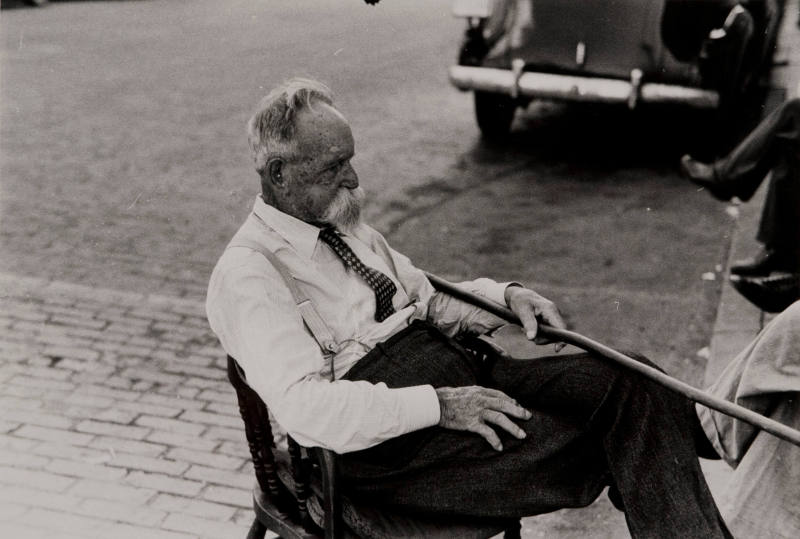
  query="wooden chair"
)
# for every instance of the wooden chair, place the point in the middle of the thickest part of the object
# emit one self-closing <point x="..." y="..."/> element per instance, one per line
<point x="296" y="493"/>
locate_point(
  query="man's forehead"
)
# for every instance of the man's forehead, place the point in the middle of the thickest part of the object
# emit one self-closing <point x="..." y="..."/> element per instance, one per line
<point x="319" y="116"/>
<point x="323" y="129"/>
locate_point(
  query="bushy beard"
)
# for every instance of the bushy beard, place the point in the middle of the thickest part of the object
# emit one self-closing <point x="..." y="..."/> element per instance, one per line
<point x="344" y="211"/>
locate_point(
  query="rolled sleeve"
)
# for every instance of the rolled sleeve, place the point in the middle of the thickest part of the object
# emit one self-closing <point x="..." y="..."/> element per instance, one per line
<point x="423" y="408"/>
<point x="453" y="316"/>
<point x="494" y="291"/>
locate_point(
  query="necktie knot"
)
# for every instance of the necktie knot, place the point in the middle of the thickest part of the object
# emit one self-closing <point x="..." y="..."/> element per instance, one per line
<point x="381" y="285"/>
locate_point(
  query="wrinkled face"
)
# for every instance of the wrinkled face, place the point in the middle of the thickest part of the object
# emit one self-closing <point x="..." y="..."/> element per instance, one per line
<point x="320" y="185"/>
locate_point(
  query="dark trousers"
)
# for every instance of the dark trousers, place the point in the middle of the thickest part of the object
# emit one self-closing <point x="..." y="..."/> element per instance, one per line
<point x="593" y="425"/>
<point x="774" y="145"/>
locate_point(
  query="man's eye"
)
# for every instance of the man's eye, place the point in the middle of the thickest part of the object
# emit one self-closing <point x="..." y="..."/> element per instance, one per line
<point x="336" y="166"/>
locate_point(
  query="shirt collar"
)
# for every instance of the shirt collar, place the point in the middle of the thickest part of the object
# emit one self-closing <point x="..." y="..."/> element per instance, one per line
<point x="300" y="235"/>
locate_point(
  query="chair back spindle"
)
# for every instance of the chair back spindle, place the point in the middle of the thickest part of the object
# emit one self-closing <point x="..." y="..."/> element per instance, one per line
<point x="260" y="441"/>
<point x="292" y="500"/>
<point x="301" y="475"/>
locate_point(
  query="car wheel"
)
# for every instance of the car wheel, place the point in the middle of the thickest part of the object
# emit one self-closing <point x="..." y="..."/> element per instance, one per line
<point x="494" y="113"/>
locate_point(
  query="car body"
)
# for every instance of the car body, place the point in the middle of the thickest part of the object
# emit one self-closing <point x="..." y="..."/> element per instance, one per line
<point x="699" y="53"/>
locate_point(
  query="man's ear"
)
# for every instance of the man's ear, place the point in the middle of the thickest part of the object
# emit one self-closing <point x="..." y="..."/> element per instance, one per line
<point x="275" y="172"/>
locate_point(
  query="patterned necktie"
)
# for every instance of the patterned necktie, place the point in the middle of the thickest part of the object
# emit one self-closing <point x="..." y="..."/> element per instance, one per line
<point x="382" y="285"/>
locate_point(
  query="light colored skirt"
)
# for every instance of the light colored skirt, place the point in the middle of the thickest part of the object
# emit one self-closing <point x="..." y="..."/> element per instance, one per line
<point x="763" y="496"/>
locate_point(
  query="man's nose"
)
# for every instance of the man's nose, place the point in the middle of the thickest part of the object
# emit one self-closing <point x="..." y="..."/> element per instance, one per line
<point x="349" y="177"/>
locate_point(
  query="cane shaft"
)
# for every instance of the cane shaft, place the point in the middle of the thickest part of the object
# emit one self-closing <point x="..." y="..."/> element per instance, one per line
<point x="721" y="405"/>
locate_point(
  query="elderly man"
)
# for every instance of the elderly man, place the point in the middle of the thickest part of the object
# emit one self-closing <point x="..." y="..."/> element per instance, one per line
<point x="353" y="350"/>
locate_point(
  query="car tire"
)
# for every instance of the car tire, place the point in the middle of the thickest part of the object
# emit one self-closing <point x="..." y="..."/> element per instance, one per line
<point x="494" y="114"/>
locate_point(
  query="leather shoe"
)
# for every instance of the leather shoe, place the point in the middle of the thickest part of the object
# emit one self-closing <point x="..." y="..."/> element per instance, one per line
<point x="705" y="176"/>
<point x="772" y="293"/>
<point x="768" y="261"/>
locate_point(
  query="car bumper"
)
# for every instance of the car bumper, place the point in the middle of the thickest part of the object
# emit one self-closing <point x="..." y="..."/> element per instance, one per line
<point x="577" y="88"/>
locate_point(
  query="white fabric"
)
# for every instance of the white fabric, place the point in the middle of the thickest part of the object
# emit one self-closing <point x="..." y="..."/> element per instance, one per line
<point x="254" y="316"/>
<point x="763" y="496"/>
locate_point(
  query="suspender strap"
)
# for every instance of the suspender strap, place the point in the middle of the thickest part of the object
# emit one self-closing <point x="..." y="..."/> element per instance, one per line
<point x="310" y="316"/>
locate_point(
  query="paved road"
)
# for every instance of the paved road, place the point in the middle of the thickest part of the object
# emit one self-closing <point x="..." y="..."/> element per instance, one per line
<point x="124" y="167"/>
<point x="124" y="163"/>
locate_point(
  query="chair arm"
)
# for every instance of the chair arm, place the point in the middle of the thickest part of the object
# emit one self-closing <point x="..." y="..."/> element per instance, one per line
<point x="331" y="500"/>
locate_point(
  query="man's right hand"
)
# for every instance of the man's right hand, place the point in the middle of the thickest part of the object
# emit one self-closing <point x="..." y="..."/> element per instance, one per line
<point x="473" y="408"/>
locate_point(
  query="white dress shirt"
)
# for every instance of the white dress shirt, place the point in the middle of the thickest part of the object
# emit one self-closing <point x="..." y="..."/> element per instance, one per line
<point x="254" y="316"/>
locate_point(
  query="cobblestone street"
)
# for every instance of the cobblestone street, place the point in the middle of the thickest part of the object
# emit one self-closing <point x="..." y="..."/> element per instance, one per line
<point x="117" y="418"/>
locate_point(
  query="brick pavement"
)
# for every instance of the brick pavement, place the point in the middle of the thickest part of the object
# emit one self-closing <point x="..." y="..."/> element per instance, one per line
<point x="116" y="417"/>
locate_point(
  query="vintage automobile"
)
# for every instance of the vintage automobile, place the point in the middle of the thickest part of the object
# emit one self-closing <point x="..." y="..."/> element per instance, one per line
<point x="707" y="54"/>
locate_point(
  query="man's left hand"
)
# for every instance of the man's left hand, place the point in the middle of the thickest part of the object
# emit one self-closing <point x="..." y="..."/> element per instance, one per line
<point x="532" y="308"/>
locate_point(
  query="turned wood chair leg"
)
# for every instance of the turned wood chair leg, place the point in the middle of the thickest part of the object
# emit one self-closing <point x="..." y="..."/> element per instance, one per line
<point x="257" y="530"/>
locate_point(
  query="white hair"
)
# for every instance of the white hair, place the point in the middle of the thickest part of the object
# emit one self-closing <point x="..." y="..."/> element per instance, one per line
<point x="344" y="210"/>
<point x="270" y="130"/>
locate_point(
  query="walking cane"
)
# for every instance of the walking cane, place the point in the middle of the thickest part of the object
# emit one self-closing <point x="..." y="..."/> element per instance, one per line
<point x="721" y="405"/>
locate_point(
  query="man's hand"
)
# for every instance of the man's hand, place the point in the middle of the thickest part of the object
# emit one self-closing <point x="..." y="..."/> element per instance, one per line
<point x="472" y="408"/>
<point x="531" y="308"/>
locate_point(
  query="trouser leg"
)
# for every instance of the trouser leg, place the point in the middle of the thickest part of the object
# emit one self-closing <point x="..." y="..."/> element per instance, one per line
<point x="752" y="159"/>
<point x="593" y="424"/>
<point x="646" y="433"/>
<point x="779" y="228"/>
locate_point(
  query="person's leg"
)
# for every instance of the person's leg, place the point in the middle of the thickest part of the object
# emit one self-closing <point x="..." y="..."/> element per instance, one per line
<point x="647" y="434"/>
<point x="590" y="421"/>
<point x="771" y="279"/>
<point x="779" y="228"/>
<point x="745" y="167"/>
<point x="748" y="164"/>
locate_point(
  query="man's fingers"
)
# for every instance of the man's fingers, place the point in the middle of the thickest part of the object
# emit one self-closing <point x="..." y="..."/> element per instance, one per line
<point x="505" y="404"/>
<point x="490" y="435"/>
<point x="528" y="318"/>
<point x="501" y="420"/>
<point x="532" y="309"/>
<point x="477" y="408"/>
<point x="552" y="317"/>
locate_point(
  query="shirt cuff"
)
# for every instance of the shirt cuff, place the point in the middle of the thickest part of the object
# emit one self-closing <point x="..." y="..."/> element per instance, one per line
<point x="422" y="407"/>
<point x="497" y="292"/>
